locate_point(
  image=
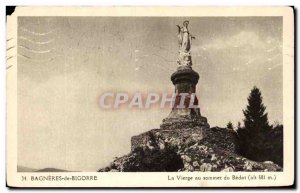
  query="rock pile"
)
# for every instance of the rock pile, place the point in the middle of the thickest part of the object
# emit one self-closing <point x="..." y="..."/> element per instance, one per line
<point x="199" y="149"/>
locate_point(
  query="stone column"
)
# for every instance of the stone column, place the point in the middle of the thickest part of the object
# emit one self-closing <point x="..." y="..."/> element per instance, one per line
<point x="182" y="116"/>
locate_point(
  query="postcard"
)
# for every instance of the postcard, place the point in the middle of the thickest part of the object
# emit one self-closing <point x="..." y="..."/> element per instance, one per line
<point x="150" y="97"/>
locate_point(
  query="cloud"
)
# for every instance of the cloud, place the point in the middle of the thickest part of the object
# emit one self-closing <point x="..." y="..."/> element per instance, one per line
<point x="247" y="41"/>
<point x="241" y="39"/>
<point x="241" y="50"/>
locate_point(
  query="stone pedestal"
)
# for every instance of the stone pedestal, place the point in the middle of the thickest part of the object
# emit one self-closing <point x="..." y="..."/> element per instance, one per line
<point x="185" y="80"/>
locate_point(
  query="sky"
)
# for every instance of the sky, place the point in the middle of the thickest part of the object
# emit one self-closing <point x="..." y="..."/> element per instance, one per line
<point x="66" y="63"/>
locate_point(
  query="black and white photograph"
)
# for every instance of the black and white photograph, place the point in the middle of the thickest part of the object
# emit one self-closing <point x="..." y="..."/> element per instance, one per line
<point x="188" y="96"/>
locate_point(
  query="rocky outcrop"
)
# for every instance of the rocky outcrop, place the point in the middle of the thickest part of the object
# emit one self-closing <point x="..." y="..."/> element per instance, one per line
<point x="199" y="149"/>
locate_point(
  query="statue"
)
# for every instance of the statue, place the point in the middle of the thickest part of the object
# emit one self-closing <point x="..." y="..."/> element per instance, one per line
<point x="185" y="42"/>
<point x="185" y="113"/>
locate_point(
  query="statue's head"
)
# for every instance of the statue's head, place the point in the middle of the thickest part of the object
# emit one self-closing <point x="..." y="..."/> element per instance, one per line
<point x="185" y="23"/>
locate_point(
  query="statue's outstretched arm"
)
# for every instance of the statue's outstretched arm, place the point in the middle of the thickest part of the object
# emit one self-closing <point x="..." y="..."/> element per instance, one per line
<point x="179" y="35"/>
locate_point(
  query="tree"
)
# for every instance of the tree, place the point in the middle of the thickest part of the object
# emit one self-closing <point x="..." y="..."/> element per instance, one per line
<point x="229" y="125"/>
<point x="274" y="147"/>
<point x="254" y="135"/>
<point x="255" y="117"/>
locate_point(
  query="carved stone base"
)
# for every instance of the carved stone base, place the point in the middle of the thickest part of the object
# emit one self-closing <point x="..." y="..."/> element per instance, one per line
<point x="184" y="59"/>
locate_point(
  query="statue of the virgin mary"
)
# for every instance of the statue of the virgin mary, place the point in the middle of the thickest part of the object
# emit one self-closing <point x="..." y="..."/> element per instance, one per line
<point x="185" y="42"/>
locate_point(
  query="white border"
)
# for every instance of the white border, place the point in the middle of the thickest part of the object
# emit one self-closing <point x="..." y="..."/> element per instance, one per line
<point x="159" y="179"/>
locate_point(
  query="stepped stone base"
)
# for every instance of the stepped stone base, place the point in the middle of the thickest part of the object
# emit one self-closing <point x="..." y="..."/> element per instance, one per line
<point x="215" y="137"/>
<point x="178" y="120"/>
<point x="181" y="135"/>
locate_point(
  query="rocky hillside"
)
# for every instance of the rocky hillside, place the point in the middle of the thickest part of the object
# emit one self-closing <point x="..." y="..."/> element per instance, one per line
<point x="197" y="149"/>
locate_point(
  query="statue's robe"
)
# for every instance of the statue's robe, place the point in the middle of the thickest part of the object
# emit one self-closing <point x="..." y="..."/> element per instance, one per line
<point x="186" y="40"/>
